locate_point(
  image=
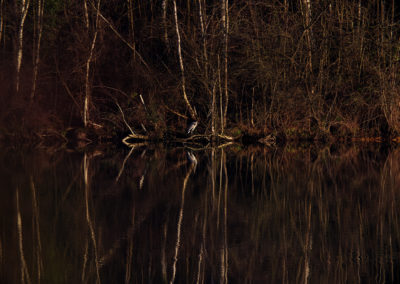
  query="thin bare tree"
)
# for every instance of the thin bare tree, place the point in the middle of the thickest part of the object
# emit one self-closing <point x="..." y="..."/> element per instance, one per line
<point x="21" y="10"/>
<point x="85" y="10"/>
<point x="131" y="24"/>
<point x="88" y="62"/>
<point x="164" y="19"/>
<point x="307" y="17"/>
<point x="203" y="19"/>
<point x="189" y="106"/>
<point x="225" y="29"/>
<point x="213" y="111"/>
<point x="1" y="19"/>
<point x="38" y="28"/>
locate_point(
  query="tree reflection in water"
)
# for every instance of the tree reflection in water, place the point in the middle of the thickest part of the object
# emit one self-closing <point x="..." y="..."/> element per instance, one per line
<point x="218" y="215"/>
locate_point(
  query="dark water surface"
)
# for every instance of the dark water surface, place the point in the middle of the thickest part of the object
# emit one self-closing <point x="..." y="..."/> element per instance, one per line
<point x="152" y="215"/>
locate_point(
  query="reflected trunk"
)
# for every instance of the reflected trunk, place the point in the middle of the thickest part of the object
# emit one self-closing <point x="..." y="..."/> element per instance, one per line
<point x="201" y="216"/>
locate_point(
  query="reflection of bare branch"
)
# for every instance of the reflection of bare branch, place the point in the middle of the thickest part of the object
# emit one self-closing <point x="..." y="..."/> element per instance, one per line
<point x="85" y="258"/>
<point x="24" y="268"/>
<point x="123" y="164"/>
<point x="180" y="218"/>
<point x="141" y="182"/>
<point x="252" y="172"/>
<point x="163" y="258"/>
<point x="220" y="189"/>
<point x="88" y="217"/>
<point x="224" y="250"/>
<point x="225" y="219"/>
<point x="123" y="117"/>
<point x="193" y="160"/>
<point x="1" y="252"/>
<point x="117" y="244"/>
<point x="308" y="246"/>
<point x="37" y="228"/>
<point x="67" y="191"/>
<point x="202" y="246"/>
<point x="133" y="136"/>
<point x="129" y="252"/>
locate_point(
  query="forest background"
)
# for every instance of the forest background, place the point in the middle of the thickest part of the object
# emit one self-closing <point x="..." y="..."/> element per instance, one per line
<point x="304" y="69"/>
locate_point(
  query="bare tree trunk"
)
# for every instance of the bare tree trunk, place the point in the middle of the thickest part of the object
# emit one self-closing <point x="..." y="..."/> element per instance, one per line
<point x="307" y="14"/>
<point x="85" y="9"/>
<point x="88" y="62"/>
<point x="221" y="103"/>
<point x="213" y="112"/>
<point x="203" y="35"/>
<point x="164" y="20"/>
<point x="225" y="28"/>
<point x="205" y="66"/>
<point x="340" y="16"/>
<point x="38" y="27"/>
<point x="131" y="25"/>
<point x="189" y="106"/>
<point x="1" y="19"/>
<point x="22" y="11"/>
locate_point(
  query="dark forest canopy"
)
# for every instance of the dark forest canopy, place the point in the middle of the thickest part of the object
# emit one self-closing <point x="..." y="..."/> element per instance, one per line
<point x="304" y="68"/>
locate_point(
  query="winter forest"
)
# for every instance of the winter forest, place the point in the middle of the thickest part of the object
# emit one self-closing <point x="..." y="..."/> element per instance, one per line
<point x="304" y="69"/>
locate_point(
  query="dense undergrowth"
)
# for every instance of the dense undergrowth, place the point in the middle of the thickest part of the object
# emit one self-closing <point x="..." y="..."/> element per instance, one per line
<point x="295" y="69"/>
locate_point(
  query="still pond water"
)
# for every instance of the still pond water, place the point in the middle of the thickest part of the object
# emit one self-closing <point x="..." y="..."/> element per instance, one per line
<point x="153" y="214"/>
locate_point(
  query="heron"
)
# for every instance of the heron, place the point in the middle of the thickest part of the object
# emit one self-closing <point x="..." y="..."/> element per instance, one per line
<point x="192" y="127"/>
<point x="192" y="159"/>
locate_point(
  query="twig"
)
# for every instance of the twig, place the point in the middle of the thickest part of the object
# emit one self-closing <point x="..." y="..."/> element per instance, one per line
<point x="123" y="117"/>
<point x="230" y="138"/>
<point x="131" y="136"/>
<point x="121" y="38"/>
<point x="175" y="112"/>
<point x="123" y="163"/>
<point x="193" y="137"/>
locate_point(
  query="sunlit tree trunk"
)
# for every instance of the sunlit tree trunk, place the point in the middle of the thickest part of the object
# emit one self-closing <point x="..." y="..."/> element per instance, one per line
<point x="85" y="9"/>
<point x="189" y="106"/>
<point x="213" y="112"/>
<point x="88" y="62"/>
<point x="38" y="28"/>
<point x="22" y="10"/>
<point x="220" y="89"/>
